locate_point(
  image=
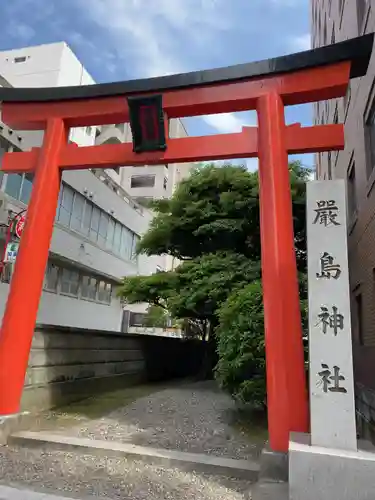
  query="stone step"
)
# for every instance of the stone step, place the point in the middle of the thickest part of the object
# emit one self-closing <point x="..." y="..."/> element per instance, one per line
<point x="8" y="493"/>
<point x="209" y="464"/>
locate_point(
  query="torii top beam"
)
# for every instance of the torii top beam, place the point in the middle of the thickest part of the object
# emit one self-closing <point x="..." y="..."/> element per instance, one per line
<point x="222" y="90"/>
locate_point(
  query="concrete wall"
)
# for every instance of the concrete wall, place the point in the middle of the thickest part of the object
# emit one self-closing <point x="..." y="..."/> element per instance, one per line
<point x="57" y="309"/>
<point x="71" y="364"/>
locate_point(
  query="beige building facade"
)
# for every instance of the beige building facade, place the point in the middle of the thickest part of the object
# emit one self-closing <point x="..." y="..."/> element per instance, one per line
<point x="334" y="21"/>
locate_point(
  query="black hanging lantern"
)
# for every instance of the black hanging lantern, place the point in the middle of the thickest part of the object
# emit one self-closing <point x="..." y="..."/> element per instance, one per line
<point x="147" y="123"/>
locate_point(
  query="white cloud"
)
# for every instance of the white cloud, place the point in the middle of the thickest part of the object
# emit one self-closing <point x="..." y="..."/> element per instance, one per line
<point x="20" y="31"/>
<point x="286" y="3"/>
<point x="143" y="32"/>
<point x="252" y="164"/>
<point x="300" y="43"/>
<point x="228" y="122"/>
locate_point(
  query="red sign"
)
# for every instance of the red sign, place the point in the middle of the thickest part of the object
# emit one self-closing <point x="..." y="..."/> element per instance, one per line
<point x="19" y="225"/>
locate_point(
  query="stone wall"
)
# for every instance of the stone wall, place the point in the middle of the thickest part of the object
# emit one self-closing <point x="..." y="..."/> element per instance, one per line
<point x="68" y="364"/>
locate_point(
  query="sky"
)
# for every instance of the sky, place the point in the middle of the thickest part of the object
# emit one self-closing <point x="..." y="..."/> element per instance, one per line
<point x="125" y="39"/>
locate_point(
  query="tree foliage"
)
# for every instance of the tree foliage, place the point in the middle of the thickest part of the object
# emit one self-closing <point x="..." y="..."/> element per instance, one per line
<point x="217" y="209"/>
<point x="156" y="317"/>
<point x="196" y="288"/>
<point x="241" y="366"/>
<point x="212" y="225"/>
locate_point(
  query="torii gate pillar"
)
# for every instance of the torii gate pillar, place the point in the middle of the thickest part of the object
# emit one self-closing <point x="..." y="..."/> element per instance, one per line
<point x="267" y="86"/>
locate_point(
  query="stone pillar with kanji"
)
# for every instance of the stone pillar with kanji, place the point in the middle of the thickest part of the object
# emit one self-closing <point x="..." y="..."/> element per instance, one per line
<point x="328" y="463"/>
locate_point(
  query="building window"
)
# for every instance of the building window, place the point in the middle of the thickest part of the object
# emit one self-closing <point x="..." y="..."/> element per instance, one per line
<point x="333" y="37"/>
<point x="81" y="215"/>
<point x="19" y="186"/>
<point x="370" y="139"/>
<point x="94" y="227"/>
<point x="347" y="97"/>
<point x="352" y="194"/>
<point x="20" y="59"/>
<point x="104" y="292"/>
<point x="77" y="212"/>
<point x="136" y="240"/>
<point x="66" y="206"/>
<point x="13" y="185"/>
<point x="359" y="311"/>
<point x="165" y="183"/>
<point x="87" y="218"/>
<point x="137" y="319"/>
<point x="142" y="181"/>
<point x="126" y="243"/>
<point x="341" y="7"/>
<point x="59" y="279"/>
<point x="27" y="185"/>
<point x="110" y="234"/>
<point x="329" y="163"/>
<point x="361" y="14"/>
<point x="89" y="287"/>
<point x="4" y="147"/>
<point x="69" y="282"/>
<point x="117" y="238"/>
<point x="103" y="228"/>
<point x="52" y="277"/>
<point x="336" y="115"/>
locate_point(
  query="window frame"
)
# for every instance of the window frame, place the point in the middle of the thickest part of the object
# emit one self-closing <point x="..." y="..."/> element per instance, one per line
<point x="370" y="141"/>
<point x="88" y="297"/>
<point x="70" y="294"/>
<point x="362" y="20"/>
<point x="351" y="181"/>
<point x="144" y="176"/>
<point x="92" y="234"/>
<point x="55" y="290"/>
<point x="358" y="299"/>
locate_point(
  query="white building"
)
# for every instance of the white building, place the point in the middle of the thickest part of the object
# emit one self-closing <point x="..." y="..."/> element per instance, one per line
<point x="97" y="222"/>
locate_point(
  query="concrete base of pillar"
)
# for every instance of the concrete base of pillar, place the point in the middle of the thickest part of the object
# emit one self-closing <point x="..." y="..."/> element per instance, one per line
<point x="273" y="476"/>
<point x="273" y="465"/>
<point x="13" y="423"/>
<point x="329" y="474"/>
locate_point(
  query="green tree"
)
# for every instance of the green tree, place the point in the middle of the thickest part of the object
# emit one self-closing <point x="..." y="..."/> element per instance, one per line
<point x="156" y="317"/>
<point x="196" y="288"/>
<point x="212" y="225"/>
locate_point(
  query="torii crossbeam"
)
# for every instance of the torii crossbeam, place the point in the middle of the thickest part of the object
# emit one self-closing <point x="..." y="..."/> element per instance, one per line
<point x="266" y="86"/>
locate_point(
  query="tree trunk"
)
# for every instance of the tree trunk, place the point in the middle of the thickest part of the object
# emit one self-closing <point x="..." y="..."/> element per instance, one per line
<point x="209" y="359"/>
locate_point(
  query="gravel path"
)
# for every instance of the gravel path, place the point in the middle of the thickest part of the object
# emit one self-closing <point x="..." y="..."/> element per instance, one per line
<point x="194" y="418"/>
<point x="79" y="476"/>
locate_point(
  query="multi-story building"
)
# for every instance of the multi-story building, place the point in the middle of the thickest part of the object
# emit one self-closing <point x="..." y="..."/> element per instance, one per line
<point x="335" y="21"/>
<point x="97" y="222"/>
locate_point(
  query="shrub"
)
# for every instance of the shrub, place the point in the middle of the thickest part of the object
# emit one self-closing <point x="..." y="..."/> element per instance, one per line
<point x="241" y="366"/>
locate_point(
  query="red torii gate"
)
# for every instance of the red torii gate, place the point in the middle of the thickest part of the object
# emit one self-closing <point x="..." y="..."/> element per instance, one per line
<point x="266" y="86"/>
